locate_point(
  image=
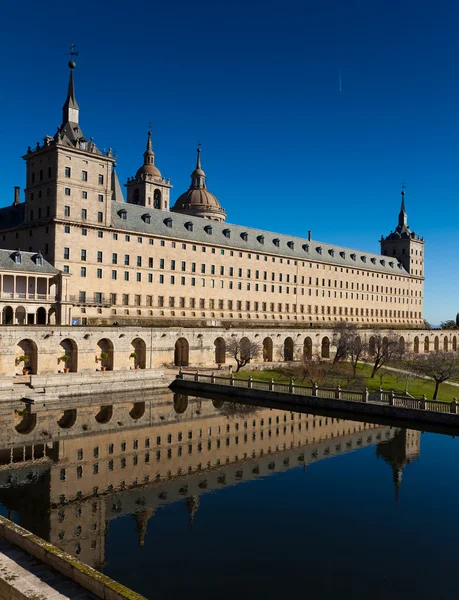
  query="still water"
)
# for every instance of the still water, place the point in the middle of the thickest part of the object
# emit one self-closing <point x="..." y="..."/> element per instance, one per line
<point x="186" y="497"/>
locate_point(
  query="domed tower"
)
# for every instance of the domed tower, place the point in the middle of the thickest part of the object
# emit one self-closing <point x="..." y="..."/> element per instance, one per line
<point x="148" y="187"/>
<point x="404" y="245"/>
<point x="198" y="201"/>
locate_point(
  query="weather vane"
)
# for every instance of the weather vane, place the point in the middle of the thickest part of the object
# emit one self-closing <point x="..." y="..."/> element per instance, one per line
<point x="72" y="50"/>
<point x="150" y="125"/>
<point x="403" y="186"/>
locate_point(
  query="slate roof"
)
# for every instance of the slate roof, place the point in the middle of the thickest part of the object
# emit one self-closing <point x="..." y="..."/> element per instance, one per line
<point x="28" y="263"/>
<point x="195" y="229"/>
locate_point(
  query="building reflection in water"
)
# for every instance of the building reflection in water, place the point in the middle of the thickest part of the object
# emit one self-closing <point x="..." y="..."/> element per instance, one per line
<point x="66" y="473"/>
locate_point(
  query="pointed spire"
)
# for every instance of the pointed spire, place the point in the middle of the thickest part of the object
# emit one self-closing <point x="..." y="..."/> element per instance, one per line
<point x="198" y="177"/>
<point x="149" y="155"/>
<point x="70" y="110"/>
<point x="402" y="217"/>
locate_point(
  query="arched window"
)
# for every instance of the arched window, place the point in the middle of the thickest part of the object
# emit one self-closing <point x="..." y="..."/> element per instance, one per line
<point x="136" y="197"/>
<point x="157" y="199"/>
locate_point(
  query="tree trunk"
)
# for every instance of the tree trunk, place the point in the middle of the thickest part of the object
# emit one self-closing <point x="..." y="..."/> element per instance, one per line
<point x="437" y="385"/>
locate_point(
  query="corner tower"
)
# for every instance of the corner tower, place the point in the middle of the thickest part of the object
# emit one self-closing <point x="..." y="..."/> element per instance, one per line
<point x="198" y="201"/>
<point x="148" y="187"/>
<point x="405" y="245"/>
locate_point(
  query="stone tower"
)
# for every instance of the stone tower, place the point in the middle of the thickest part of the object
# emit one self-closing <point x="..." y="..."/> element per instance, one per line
<point x="404" y="245"/>
<point x="148" y="187"/>
<point x="198" y="201"/>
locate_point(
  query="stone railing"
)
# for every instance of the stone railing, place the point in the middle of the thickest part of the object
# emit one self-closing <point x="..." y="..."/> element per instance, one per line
<point x="28" y="296"/>
<point x="337" y="393"/>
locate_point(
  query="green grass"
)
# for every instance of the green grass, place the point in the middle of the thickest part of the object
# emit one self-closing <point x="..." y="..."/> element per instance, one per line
<point x="390" y="381"/>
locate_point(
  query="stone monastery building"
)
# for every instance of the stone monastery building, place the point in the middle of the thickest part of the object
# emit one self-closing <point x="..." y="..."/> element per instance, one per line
<point x="149" y="258"/>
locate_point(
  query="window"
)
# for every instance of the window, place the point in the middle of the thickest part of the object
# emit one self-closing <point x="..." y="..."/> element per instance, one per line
<point x="100" y="234"/>
<point x="139" y="261"/>
<point x="84" y="175"/>
<point x="126" y="260"/>
<point x="125" y="299"/>
<point x="84" y="213"/>
<point x="67" y="191"/>
<point x="99" y="256"/>
<point x="68" y="171"/>
<point x="139" y="277"/>
<point x="99" y="273"/>
<point x="66" y="253"/>
<point x="114" y="276"/>
<point x="84" y="195"/>
<point x="66" y="211"/>
<point x="84" y="232"/>
<point x="83" y="271"/>
<point x="114" y="258"/>
<point x="67" y="229"/>
<point x="101" y="179"/>
<point x="66" y="269"/>
<point x="100" y="217"/>
<point x="100" y="197"/>
<point x="126" y="275"/>
<point x="83" y="254"/>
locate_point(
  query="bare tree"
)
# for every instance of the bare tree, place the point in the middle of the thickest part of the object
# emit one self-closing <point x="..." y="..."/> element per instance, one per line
<point x="344" y="335"/>
<point x="312" y="369"/>
<point x="242" y="350"/>
<point x="358" y="352"/>
<point x="439" y="366"/>
<point x="384" y="349"/>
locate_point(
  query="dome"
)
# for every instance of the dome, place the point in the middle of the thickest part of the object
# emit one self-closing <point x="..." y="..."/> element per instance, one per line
<point x="148" y="169"/>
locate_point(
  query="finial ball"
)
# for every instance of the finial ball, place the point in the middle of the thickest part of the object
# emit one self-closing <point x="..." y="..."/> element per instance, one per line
<point x="72" y="64"/>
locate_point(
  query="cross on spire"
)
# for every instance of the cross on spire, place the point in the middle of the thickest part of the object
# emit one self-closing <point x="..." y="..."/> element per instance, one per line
<point x="72" y="50"/>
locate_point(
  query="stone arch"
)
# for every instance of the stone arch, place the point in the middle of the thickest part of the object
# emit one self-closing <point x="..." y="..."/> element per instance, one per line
<point x="325" y="348"/>
<point x="137" y="411"/>
<point x="139" y="347"/>
<point x="105" y="346"/>
<point x="307" y="348"/>
<point x="445" y="344"/>
<point x="8" y="316"/>
<point x="454" y="343"/>
<point x="182" y="353"/>
<point x="218" y="404"/>
<point x="68" y="418"/>
<point x="220" y="351"/>
<point x="401" y="345"/>
<point x="180" y="403"/>
<point x="105" y="414"/>
<point x="27" y="424"/>
<point x="426" y="344"/>
<point x="41" y="316"/>
<point x="372" y="346"/>
<point x="416" y="345"/>
<point x="21" y="315"/>
<point x="69" y="348"/>
<point x="267" y="349"/>
<point x="157" y="199"/>
<point x="288" y="349"/>
<point x="436" y="343"/>
<point x="28" y="348"/>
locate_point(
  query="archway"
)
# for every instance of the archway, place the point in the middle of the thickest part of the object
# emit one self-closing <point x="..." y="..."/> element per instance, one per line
<point x="445" y="344"/>
<point x="105" y="414"/>
<point x="180" y="403"/>
<point x="20" y="315"/>
<point x="401" y="345"/>
<point x="41" y="316"/>
<point x="325" y="350"/>
<point x="416" y="345"/>
<point x="139" y="348"/>
<point x="220" y="351"/>
<point x="52" y="316"/>
<point x="27" y="349"/>
<point x="288" y="349"/>
<point x="105" y="354"/>
<point x="267" y="349"/>
<point x="69" y="348"/>
<point x="426" y="344"/>
<point x="28" y="422"/>
<point x="307" y="349"/>
<point x="454" y="343"/>
<point x="137" y="410"/>
<point x="218" y="404"/>
<point x="436" y="343"/>
<point x="182" y="353"/>
<point x="7" y="316"/>
<point x="68" y="419"/>
<point x="372" y="346"/>
<point x="157" y="199"/>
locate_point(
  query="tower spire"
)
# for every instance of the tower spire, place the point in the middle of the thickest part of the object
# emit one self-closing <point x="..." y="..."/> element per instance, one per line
<point x="70" y="110"/>
<point x="402" y="217"/>
<point x="198" y="177"/>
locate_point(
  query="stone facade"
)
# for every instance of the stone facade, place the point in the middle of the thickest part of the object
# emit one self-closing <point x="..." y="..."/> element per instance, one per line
<point x="148" y="261"/>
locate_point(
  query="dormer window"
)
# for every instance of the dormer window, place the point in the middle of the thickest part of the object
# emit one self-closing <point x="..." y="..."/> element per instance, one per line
<point x="319" y="249"/>
<point x="391" y="264"/>
<point x="227" y="233"/>
<point x="342" y="254"/>
<point x="331" y="252"/>
<point x="261" y="239"/>
<point x="373" y="260"/>
<point x="189" y="226"/>
<point x="208" y="229"/>
<point x="276" y="242"/>
<point x="168" y="222"/>
<point x="244" y="236"/>
<point x="39" y="260"/>
<point x="18" y="258"/>
<point x="306" y="247"/>
<point x="364" y="259"/>
<point x="291" y="245"/>
<point x="383" y="262"/>
<point x="353" y="256"/>
<point x="123" y="214"/>
<point x="147" y="218"/>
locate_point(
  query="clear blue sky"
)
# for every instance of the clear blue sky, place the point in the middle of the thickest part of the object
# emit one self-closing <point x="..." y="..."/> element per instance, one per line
<point x="257" y="83"/>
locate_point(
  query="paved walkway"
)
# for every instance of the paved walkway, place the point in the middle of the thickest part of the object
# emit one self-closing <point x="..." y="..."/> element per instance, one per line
<point x="22" y="575"/>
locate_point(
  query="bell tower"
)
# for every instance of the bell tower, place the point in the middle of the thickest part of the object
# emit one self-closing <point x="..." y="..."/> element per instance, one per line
<point x="148" y="187"/>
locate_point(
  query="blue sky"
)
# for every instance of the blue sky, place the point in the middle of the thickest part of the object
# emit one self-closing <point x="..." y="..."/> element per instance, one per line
<point x="257" y="83"/>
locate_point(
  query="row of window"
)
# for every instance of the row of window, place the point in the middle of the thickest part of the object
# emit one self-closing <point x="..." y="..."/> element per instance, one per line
<point x="84" y="175"/>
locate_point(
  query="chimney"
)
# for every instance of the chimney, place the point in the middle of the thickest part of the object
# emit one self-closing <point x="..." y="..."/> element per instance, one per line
<point x="17" y="195"/>
<point x="309" y="235"/>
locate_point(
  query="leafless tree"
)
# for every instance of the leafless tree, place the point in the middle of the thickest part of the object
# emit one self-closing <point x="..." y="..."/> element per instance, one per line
<point x="344" y="335"/>
<point x="312" y="370"/>
<point x="384" y="349"/>
<point x="358" y="352"/>
<point x="242" y="350"/>
<point x="439" y="366"/>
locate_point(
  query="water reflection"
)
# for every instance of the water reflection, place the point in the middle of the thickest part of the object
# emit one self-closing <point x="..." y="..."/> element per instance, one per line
<point x="66" y="474"/>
